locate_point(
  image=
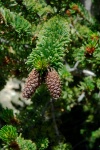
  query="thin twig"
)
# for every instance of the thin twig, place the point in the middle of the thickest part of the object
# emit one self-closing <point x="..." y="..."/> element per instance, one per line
<point x="78" y="72"/>
<point x="81" y="97"/>
<point x="45" y="107"/>
<point x="79" y="144"/>
<point x="54" y="120"/>
<point x="77" y="33"/>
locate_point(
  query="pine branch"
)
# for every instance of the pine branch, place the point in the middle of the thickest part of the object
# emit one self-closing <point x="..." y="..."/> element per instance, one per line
<point x="78" y="72"/>
<point x="10" y="136"/>
<point x="52" y="41"/>
<point x="8" y="133"/>
<point x="82" y="12"/>
<point x="25" y="144"/>
<point x="39" y="7"/>
<point x="17" y="22"/>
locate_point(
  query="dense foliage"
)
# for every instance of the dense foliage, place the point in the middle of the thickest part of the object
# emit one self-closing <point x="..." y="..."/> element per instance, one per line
<point x="51" y="35"/>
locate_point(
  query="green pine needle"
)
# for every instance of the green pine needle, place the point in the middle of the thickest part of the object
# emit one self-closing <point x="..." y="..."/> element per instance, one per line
<point x="51" y="44"/>
<point x="18" y="23"/>
<point x="25" y="144"/>
<point x="8" y="133"/>
<point x="7" y="115"/>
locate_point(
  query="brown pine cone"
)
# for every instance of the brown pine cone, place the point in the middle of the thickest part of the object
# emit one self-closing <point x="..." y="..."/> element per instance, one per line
<point x="14" y="145"/>
<point x="32" y="83"/>
<point x="53" y="83"/>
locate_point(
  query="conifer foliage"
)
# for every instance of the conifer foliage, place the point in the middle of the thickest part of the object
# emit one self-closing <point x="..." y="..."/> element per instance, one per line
<point x="53" y="39"/>
<point x="55" y="46"/>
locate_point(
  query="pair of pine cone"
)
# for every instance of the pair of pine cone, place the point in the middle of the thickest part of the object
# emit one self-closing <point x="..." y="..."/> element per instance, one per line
<point x="33" y="81"/>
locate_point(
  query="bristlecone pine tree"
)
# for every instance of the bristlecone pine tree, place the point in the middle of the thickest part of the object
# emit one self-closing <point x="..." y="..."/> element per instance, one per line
<point x="32" y="83"/>
<point x="53" y="83"/>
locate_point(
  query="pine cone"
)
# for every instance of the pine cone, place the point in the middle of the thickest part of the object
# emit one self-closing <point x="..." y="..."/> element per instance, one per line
<point x="32" y="83"/>
<point x="14" y="145"/>
<point x="53" y="83"/>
